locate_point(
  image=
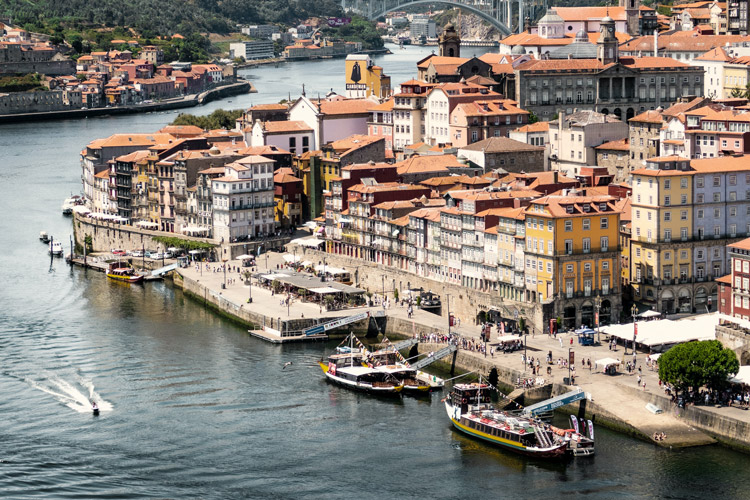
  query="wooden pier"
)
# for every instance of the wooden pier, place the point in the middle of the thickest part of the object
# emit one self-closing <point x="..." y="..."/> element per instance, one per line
<point x="274" y="337"/>
<point x="99" y="264"/>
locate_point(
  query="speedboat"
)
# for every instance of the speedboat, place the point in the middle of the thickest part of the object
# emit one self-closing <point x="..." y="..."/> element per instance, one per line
<point x="55" y="248"/>
<point x="43" y="237"/>
<point x="94" y="408"/>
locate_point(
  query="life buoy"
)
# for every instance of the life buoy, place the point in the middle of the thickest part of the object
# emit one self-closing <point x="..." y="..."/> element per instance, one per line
<point x="464" y="401"/>
<point x="521" y="431"/>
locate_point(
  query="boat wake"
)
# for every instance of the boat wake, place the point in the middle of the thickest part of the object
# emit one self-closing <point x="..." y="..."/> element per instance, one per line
<point x="76" y="396"/>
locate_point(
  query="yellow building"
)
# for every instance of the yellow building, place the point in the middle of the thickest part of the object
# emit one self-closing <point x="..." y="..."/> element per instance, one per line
<point x="288" y="198"/>
<point x="364" y="79"/>
<point x="735" y="77"/>
<point x="572" y="257"/>
<point x="662" y="230"/>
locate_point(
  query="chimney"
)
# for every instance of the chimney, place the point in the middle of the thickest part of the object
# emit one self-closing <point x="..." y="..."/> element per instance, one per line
<point x="555" y="176"/>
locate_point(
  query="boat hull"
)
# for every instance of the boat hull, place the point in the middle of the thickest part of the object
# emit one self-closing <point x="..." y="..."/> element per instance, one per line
<point x="125" y="279"/>
<point x="555" y="453"/>
<point x="381" y="391"/>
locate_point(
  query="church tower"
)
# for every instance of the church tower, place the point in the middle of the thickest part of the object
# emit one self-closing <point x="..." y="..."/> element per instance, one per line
<point x="450" y="42"/>
<point x="633" y="15"/>
<point x="607" y="46"/>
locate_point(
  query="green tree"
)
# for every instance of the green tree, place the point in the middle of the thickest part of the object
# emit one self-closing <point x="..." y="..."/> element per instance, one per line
<point x="698" y="364"/>
<point x="532" y="117"/>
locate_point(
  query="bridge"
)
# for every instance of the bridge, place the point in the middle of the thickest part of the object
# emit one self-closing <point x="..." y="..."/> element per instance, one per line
<point x="502" y="14"/>
<point x="556" y="402"/>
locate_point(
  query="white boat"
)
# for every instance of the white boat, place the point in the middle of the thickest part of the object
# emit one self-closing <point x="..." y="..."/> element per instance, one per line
<point x="55" y="248"/>
<point x="43" y="237"/>
<point x="69" y="203"/>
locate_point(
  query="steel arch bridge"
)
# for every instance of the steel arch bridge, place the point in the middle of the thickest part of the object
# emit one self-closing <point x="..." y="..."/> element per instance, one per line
<point x="499" y="13"/>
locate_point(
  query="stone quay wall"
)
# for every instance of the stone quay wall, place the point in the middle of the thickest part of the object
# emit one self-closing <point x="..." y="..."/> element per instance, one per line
<point x="465" y="303"/>
<point x="736" y="340"/>
<point x="107" y="235"/>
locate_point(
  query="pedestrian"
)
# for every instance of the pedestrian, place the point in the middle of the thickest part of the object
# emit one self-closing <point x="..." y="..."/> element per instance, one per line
<point x="610" y="345"/>
<point x="571" y="340"/>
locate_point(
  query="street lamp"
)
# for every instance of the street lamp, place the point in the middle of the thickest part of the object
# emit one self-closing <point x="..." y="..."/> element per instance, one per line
<point x="224" y="261"/>
<point x="633" y="312"/>
<point x="448" y="297"/>
<point x="250" y="287"/>
<point x="598" y="304"/>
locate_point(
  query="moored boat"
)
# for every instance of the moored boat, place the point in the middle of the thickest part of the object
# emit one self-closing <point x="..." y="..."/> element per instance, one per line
<point x="470" y="411"/>
<point x="122" y="271"/>
<point x="43" y="237"/>
<point x="350" y="370"/>
<point x="415" y="381"/>
<point x="55" y="248"/>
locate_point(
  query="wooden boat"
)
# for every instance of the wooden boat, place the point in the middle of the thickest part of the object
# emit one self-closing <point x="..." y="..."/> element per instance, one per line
<point x="470" y="411"/>
<point x="121" y="271"/>
<point x="350" y="370"/>
<point x="415" y="382"/>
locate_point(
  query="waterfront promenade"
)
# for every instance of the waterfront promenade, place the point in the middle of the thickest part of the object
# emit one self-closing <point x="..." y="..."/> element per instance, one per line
<point x="618" y="395"/>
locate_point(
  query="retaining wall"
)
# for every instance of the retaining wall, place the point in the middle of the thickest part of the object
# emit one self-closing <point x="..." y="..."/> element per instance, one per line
<point x="465" y="303"/>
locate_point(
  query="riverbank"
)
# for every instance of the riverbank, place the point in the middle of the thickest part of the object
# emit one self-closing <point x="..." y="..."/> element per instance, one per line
<point x="614" y="401"/>
<point x="189" y="101"/>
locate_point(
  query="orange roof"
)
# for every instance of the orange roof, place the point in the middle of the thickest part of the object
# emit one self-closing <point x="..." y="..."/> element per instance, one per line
<point x="650" y="116"/>
<point x="652" y="62"/>
<point x="557" y="205"/>
<point x="263" y="151"/>
<point x="441" y="61"/>
<point x="621" y="145"/>
<point x="681" y="41"/>
<point x="741" y="245"/>
<point x="534" y="127"/>
<point x="182" y="130"/>
<point x="104" y="174"/>
<point x="120" y="140"/>
<point x="482" y="195"/>
<point x="721" y="164"/>
<point x="431" y="163"/>
<point x="345" y="106"/>
<point x="283" y="177"/>
<point x="284" y="127"/>
<point x="725" y="279"/>
<point x="591" y="13"/>
<point x="385" y="106"/>
<point x="135" y="156"/>
<point x="271" y="106"/>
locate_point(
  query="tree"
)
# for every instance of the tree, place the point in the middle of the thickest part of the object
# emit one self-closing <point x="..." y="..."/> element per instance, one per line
<point x="521" y="324"/>
<point x="532" y="117"/>
<point x="698" y="364"/>
<point x="395" y="294"/>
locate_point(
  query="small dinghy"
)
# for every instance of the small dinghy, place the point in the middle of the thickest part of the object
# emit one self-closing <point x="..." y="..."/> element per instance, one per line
<point x="94" y="408"/>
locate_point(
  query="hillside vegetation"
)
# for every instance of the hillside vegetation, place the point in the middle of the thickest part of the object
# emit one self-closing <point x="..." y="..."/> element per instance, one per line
<point x="165" y="17"/>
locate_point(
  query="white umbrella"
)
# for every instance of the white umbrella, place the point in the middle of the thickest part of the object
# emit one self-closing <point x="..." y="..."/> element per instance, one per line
<point x="244" y="256"/>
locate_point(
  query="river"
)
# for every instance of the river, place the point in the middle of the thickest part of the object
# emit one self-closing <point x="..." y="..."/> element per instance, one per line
<point x="194" y="407"/>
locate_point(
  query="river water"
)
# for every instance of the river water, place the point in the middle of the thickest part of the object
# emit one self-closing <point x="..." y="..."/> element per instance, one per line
<point x="194" y="407"/>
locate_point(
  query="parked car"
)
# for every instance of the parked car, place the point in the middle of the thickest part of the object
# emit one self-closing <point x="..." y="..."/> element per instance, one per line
<point x="157" y="255"/>
<point x="118" y="251"/>
<point x="136" y="253"/>
<point x="168" y="255"/>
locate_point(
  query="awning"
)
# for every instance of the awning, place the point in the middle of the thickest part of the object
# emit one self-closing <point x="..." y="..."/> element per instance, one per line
<point x="195" y="252"/>
<point x="80" y="209"/>
<point x="509" y="338"/>
<point x="146" y="224"/>
<point x="290" y="258"/>
<point x="654" y="357"/>
<point x="649" y="314"/>
<point x="324" y="290"/>
<point x="244" y="256"/>
<point x="604" y="363"/>
<point x="308" y="242"/>
<point x="194" y="229"/>
<point x="742" y="377"/>
<point x="665" y="332"/>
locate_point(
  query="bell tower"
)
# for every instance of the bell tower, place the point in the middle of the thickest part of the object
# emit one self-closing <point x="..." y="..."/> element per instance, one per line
<point x="633" y="15"/>
<point x="450" y="42"/>
<point x="607" y="50"/>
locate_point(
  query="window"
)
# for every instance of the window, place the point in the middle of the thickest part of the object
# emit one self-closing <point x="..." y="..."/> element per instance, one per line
<point x="587" y="267"/>
<point x="586" y="245"/>
<point x="683" y="183"/>
<point x="604" y="222"/>
<point x="717" y="181"/>
<point x="605" y="265"/>
<point x="605" y="243"/>
<point x="586" y="224"/>
<point x="667" y="182"/>
<point x="683" y="214"/>
<point x="683" y="234"/>
<point x="700" y="213"/>
<point x="667" y="216"/>
<point x="568" y="247"/>
<point x="568" y="225"/>
<point x="699" y="182"/>
<point x="667" y="200"/>
<point x="667" y="235"/>
<point x="683" y="199"/>
<point x="569" y="268"/>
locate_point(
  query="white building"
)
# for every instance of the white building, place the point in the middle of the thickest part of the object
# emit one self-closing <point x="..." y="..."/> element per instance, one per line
<point x="294" y="136"/>
<point x="257" y="49"/>
<point x="243" y="199"/>
<point x="332" y="119"/>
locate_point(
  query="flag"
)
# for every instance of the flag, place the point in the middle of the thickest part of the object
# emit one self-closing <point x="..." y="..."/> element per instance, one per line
<point x="635" y="330"/>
